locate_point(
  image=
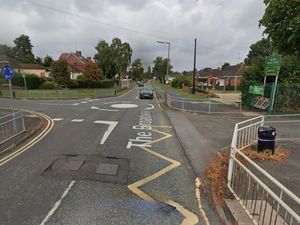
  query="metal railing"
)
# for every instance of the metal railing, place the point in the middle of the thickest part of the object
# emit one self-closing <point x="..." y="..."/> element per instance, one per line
<point x="11" y="125"/>
<point x="264" y="199"/>
<point x="202" y="105"/>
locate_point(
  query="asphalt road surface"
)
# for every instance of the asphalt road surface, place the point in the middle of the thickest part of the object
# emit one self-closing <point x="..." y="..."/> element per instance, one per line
<point x="106" y="161"/>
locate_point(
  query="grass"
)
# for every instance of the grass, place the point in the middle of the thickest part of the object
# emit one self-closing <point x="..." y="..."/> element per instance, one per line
<point x="62" y="94"/>
<point x="188" y="95"/>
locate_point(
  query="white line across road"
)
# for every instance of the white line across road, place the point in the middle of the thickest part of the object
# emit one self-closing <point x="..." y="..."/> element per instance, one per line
<point x="107" y="110"/>
<point x="77" y="120"/>
<point x="111" y="127"/>
<point x="57" y="119"/>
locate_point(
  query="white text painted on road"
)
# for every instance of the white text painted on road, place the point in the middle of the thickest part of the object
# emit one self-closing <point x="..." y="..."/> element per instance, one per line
<point x="144" y="135"/>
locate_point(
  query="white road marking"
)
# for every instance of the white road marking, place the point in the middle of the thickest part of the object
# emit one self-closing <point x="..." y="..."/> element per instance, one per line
<point x="91" y="100"/>
<point x="57" y="203"/>
<point x="124" y="106"/>
<point x="107" y="110"/>
<point x="75" y="103"/>
<point x="151" y="106"/>
<point x="111" y="127"/>
<point x="57" y="119"/>
<point x="116" y="102"/>
<point x="77" y="120"/>
<point x="83" y="102"/>
<point x="136" y="97"/>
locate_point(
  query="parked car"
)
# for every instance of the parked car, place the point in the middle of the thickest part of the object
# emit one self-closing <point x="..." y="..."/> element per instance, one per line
<point x="146" y="92"/>
<point x="141" y="84"/>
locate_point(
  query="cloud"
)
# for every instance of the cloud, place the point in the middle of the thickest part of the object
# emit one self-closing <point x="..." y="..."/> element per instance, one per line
<point x="224" y="29"/>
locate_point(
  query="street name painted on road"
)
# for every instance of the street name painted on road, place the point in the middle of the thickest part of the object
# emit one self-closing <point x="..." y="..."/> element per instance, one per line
<point x="144" y="136"/>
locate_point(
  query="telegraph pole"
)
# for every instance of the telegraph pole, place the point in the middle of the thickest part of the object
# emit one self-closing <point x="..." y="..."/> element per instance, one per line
<point x="194" y="72"/>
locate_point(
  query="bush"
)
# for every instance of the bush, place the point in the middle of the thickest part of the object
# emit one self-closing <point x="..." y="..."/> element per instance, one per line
<point x="73" y="84"/>
<point x="79" y="77"/>
<point x="32" y="81"/>
<point x="180" y="81"/>
<point x="106" y="83"/>
<point x="49" y="85"/>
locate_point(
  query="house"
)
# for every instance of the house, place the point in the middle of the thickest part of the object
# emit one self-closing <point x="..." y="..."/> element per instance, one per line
<point x="35" y="69"/>
<point x="76" y="63"/>
<point x="228" y="76"/>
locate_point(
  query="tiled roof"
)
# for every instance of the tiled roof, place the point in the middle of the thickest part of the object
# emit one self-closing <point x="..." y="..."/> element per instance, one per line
<point x="18" y="65"/>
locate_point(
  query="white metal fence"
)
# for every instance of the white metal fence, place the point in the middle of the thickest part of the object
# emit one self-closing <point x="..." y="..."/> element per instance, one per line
<point x="265" y="199"/>
<point x="202" y="105"/>
<point x="11" y="125"/>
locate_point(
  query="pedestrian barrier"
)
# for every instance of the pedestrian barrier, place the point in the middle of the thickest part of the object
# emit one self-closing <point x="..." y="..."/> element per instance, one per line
<point x="11" y="125"/>
<point x="264" y="199"/>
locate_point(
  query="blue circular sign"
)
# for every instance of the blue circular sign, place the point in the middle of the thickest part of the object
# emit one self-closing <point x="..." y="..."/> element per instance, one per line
<point x="7" y="72"/>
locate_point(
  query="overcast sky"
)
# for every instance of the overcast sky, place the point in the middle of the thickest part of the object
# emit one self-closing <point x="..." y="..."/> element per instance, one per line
<point x="224" y="28"/>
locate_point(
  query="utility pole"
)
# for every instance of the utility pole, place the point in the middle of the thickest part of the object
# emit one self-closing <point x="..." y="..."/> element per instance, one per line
<point x="194" y="72"/>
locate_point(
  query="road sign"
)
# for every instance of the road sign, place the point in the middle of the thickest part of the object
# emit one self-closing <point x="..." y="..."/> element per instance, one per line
<point x="273" y="63"/>
<point x="256" y="90"/>
<point x="7" y="72"/>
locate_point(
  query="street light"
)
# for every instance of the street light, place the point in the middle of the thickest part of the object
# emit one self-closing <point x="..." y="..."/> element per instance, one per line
<point x="167" y="75"/>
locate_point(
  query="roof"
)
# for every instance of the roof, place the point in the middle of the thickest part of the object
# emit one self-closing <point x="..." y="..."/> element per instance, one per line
<point x="228" y="71"/>
<point x="18" y="65"/>
<point x="75" y="61"/>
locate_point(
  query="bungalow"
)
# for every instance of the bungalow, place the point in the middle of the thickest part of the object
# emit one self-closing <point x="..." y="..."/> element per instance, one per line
<point x="35" y="69"/>
<point x="76" y="63"/>
<point x="228" y="76"/>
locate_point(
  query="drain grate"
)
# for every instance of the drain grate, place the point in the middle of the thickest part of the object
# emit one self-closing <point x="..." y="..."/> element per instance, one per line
<point x="107" y="169"/>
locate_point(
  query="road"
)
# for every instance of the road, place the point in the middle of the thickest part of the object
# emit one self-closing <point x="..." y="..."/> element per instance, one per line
<point x="143" y="176"/>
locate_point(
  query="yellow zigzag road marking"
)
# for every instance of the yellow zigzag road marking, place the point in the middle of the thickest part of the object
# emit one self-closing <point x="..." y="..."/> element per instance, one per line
<point x="28" y="145"/>
<point x="190" y="218"/>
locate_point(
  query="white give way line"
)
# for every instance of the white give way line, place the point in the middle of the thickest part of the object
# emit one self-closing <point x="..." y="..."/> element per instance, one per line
<point x="111" y="127"/>
<point x="107" y="110"/>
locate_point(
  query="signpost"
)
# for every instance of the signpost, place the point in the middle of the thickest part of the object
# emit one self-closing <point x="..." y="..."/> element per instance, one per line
<point x="272" y="68"/>
<point x="8" y="74"/>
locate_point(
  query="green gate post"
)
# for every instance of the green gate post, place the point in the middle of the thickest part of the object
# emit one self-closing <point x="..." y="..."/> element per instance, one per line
<point x="272" y="98"/>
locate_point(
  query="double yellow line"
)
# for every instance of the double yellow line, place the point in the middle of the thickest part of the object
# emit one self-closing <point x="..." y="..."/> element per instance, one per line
<point x="29" y="144"/>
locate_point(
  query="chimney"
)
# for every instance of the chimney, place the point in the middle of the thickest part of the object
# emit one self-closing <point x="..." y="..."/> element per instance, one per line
<point x="78" y="53"/>
<point x="89" y="58"/>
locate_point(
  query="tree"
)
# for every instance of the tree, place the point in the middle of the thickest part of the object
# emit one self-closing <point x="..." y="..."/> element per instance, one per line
<point x="148" y="73"/>
<point x="23" y="50"/>
<point x="281" y="22"/>
<point x="4" y="49"/>
<point x="260" y="48"/>
<point x="103" y="59"/>
<point x="38" y="60"/>
<point x="48" y="61"/>
<point x="160" y="68"/>
<point x="121" y="53"/>
<point x="226" y="64"/>
<point x="137" y="70"/>
<point x="59" y="71"/>
<point x="91" y="72"/>
<point x="114" y="58"/>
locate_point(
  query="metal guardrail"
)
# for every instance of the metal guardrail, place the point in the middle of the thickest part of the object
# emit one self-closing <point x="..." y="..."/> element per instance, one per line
<point x="11" y="125"/>
<point x="264" y="199"/>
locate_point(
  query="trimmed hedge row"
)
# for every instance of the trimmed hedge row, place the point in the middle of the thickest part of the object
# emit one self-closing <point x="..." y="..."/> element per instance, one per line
<point x="32" y="81"/>
<point x="79" y="83"/>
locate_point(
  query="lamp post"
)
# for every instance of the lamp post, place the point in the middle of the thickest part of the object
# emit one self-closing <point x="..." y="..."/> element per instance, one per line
<point x="168" y="63"/>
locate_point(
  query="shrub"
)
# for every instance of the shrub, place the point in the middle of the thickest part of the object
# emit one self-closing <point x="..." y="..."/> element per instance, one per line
<point x="73" y="84"/>
<point x="106" y="83"/>
<point x="49" y="85"/>
<point x="178" y="82"/>
<point x="32" y="81"/>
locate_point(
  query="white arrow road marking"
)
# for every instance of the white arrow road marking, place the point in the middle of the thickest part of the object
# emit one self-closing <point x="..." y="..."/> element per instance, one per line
<point x="108" y="110"/>
<point x="150" y="107"/>
<point x="111" y="127"/>
<point x="116" y="102"/>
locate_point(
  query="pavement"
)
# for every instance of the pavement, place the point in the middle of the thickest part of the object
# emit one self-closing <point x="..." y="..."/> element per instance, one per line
<point x="143" y="175"/>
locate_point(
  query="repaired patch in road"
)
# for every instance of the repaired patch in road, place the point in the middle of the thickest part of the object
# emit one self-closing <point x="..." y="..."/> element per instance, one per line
<point x="89" y="167"/>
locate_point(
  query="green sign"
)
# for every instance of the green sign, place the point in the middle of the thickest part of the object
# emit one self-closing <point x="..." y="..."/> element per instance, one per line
<point x="273" y="63"/>
<point x="256" y="90"/>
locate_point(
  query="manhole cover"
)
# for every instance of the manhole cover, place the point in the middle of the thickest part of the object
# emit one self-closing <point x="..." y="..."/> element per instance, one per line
<point x="72" y="165"/>
<point x="108" y="169"/>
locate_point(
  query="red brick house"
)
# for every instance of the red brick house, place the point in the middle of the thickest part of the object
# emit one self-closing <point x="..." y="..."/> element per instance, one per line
<point x="76" y="63"/>
<point x="228" y="76"/>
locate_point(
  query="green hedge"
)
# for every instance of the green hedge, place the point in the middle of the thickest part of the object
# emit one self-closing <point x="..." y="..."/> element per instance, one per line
<point x="79" y="83"/>
<point x="179" y="81"/>
<point x="32" y="81"/>
<point x="49" y="85"/>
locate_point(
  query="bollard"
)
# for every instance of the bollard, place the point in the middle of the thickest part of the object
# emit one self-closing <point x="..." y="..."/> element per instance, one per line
<point x="14" y="94"/>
